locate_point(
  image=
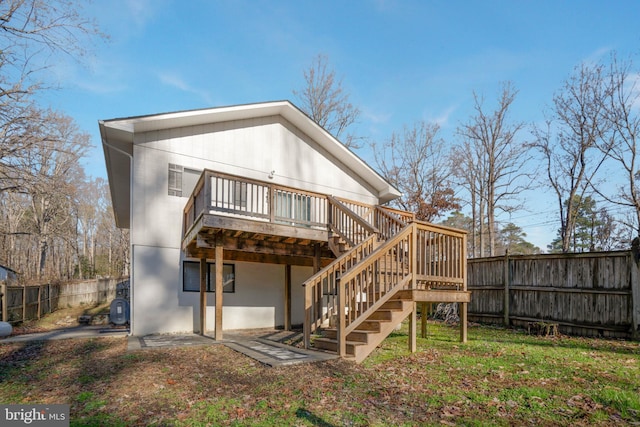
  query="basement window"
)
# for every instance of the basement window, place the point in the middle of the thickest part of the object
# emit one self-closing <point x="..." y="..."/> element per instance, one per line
<point x="191" y="277"/>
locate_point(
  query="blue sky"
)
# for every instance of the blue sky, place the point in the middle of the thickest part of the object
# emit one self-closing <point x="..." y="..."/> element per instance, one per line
<point x="401" y="61"/>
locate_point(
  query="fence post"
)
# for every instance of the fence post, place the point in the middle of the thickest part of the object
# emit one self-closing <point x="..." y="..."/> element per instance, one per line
<point x="635" y="295"/>
<point x="3" y="296"/>
<point x="507" y="279"/>
<point x="24" y="303"/>
<point x="39" y="297"/>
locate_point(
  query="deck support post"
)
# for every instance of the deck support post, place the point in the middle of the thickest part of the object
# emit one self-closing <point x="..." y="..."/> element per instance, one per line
<point x="219" y="288"/>
<point x="287" y="297"/>
<point x="203" y="296"/>
<point x="423" y="319"/>
<point x="413" y="331"/>
<point x="462" y="311"/>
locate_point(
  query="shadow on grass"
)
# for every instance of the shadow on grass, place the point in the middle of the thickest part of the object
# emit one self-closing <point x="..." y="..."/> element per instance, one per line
<point x="16" y="364"/>
<point x="312" y="418"/>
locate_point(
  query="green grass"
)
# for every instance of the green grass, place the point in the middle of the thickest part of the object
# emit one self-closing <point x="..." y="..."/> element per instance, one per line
<point x="499" y="377"/>
<point x="517" y="376"/>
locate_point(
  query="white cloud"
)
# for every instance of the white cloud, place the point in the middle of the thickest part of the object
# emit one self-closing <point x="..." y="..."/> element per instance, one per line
<point x="443" y="118"/>
<point x="376" y="117"/>
<point x="176" y="81"/>
<point x="597" y="55"/>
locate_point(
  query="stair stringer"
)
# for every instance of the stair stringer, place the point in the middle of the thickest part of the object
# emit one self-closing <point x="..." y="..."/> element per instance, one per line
<point x="374" y="340"/>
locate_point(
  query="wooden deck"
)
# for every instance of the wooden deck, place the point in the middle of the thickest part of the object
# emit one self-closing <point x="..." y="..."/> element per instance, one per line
<point x="373" y="263"/>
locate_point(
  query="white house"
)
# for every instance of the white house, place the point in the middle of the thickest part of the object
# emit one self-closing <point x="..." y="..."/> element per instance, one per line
<point x="232" y="209"/>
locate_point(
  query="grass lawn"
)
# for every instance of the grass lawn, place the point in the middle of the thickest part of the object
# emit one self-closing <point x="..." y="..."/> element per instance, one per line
<point x="500" y="377"/>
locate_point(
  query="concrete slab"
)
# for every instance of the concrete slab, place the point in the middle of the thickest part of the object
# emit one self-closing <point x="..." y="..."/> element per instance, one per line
<point x="168" y="340"/>
<point x="270" y="347"/>
<point x="266" y="346"/>
<point x="275" y="354"/>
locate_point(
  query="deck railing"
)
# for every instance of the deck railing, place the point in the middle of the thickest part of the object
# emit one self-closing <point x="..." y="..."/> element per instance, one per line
<point x="225" y="194"/>
<point x="420" y="256"/>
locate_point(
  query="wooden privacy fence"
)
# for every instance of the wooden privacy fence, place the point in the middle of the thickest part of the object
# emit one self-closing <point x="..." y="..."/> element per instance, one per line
<point x="595" y="293"/>
<point x="30" y="302"/>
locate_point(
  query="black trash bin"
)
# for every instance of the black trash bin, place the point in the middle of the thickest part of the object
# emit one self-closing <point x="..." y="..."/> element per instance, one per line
<point x="119" y="312"/>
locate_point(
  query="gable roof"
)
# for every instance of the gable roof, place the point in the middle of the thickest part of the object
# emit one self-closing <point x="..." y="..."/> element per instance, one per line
<point x="118" y="136"/>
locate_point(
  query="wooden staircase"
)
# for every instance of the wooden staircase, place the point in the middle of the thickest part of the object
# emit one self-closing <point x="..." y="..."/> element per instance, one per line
<point x="385" y="263"/>
<point x="370" y="333"/>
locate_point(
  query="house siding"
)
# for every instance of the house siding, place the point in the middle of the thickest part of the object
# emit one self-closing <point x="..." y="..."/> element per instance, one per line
<point x="249" y="148"/>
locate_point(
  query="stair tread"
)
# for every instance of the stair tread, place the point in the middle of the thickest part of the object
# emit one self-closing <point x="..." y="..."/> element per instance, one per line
<point x="333" y="340"/>
<point x="366" y="331"/>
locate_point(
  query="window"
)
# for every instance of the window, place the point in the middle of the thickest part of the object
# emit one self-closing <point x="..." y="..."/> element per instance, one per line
<point x="240" y="195"/>
<point x="175" y="180"/>
<point x="191" y="277"/>
<point x="182" y="180"/>
<point x="296" y="207"/>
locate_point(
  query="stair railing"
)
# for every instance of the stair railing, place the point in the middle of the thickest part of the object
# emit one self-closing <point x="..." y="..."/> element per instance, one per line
<point x="321" y="289"/>
<point x="347" y="220"/>
<point x="347" y="224"/>
<point x="390" y="221"/>
<point x="366" y="287"/>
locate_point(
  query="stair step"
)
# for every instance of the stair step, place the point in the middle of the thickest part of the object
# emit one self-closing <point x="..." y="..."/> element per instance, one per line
<point x="382" y="314"/>
<point x="359" y="335"/>
<point x="394" y="304"/>
<point x="332" y="345"/>
<point x="370" y="325"/>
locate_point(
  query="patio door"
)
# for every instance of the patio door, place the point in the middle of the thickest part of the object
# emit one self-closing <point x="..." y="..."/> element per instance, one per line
<point x="292" y="208"/>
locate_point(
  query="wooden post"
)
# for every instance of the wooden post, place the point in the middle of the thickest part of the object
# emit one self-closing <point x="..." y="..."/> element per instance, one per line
<point x="317" y="258"/>
<point x="307" y="318"/>
<point x="462" y="307"/>
<point x="412" y="328"/>
<point x="414" y="285"/>
<point x="5" y="297"/>
<point x="462" y="311"/>
<point x="219" y="288"/>
<point x="507" y="279"/>
<point x="635" y="296"/>
<point x="287" y="297"/>
<point x="340" y="322"/>
<point x="272" y="204"/>
<point x="24" y="303"/>
<point x="423" y="319"/>
<point x="39" y="296"/>
<point x="203" y="296"/>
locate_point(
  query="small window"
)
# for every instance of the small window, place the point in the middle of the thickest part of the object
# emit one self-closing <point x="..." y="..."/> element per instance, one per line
<point x="182" y="180"/>
<point x="191" y="277"/>
<point x="175" y="180"/>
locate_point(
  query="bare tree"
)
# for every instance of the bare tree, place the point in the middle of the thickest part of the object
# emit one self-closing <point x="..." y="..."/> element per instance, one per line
<point x="31" y="33"/>
<point x="33" y="30"/>
<point x="326" y="102"/>
<point x="569" y="144"/>
<point x="621" y="113"/>
<point x="112" y="251"/>
<point x="416" y="164"/>
<point x="53" y="170"/>
<point x="492" y="164"/>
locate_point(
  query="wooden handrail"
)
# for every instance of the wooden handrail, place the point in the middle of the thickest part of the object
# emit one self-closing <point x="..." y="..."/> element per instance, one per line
<point x="420" y="256"/>
<point x="350" y="226"/>
<point x="388" y="222"/>
<point x="324" y="286"/>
